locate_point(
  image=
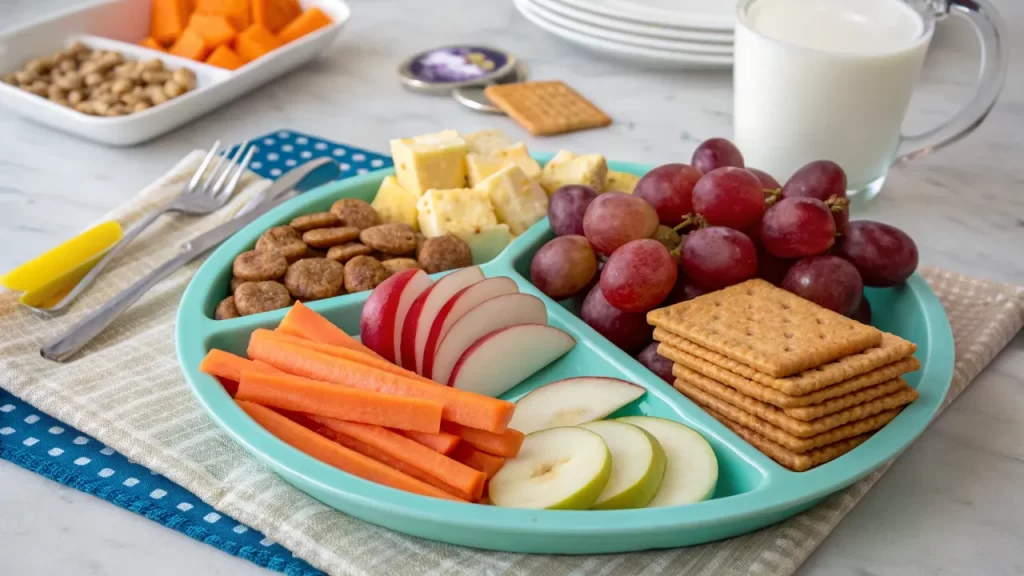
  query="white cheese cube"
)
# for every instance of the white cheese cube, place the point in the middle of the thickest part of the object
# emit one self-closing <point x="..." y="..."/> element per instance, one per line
<point x="480" y="166"/>
<point x="487" y="142"/>
<point x="395" y="204"/>
<point x="442" y="211"/>
<point x="568" y="168"/>
<point x="430" y="161"/>
<point x="620" y="182"/>
<point x="518" y="201"/>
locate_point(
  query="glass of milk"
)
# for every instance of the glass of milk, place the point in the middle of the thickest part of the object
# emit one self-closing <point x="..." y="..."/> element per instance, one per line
<point x="831" y="80"/>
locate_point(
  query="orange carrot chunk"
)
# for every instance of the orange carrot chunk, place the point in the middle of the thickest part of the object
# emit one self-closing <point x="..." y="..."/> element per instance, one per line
<point x="442" y="442"/>
<point x="191" y="45"/>
<point x="462" y="407"/>
<point x="274" y="14"/>
<point x="236" y="11"/>
<point x="230" y="367"/>
<point x="303" y="322"/>
<point x="477" y="460"/>
<point x="255" y="41"/>
<point x="167" y="20"/>
<point x="216" y="30"/>
<point x="224" y="57"/>
<point x="418" y="461"/>
<point x="289" y="392"/>
<point x="153" y="43"/>
<point x="505" y="444"/>
<point x="309" y="21"/>
<point x="331" y="453"/>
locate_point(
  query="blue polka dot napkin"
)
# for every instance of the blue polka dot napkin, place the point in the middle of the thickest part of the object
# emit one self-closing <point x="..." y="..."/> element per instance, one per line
<point x="57" y="451"/>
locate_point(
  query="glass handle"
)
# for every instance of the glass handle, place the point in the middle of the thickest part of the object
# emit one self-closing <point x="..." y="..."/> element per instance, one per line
<point x="992" y="34"/>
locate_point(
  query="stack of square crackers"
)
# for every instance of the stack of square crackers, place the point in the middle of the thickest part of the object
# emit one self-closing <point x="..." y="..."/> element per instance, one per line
<point x="800" y="383"/>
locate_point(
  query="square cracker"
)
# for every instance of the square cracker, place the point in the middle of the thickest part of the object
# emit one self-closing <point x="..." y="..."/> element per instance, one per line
<point x="766" y="328"/>
<point x="864" y="395"/>
<point x="891" y="349"/>
<point x="789" y="459"/>
<point x="780" y="436"/>
<point x="690" y="381"/>
<point x="546" y="108"/>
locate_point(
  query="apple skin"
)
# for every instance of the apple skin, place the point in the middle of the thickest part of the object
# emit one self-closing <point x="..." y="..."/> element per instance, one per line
<point x="691" y="467"/>
<point x="377" y="321"/>
<point x="641" y="492"/>
<point x="416" y="318"/>
<point x="522" y="351"/>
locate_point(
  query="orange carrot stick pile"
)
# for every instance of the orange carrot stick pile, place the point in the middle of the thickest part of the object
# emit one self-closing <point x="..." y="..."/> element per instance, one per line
<point x="301" y="321"/>
<point x="505" y="444"/>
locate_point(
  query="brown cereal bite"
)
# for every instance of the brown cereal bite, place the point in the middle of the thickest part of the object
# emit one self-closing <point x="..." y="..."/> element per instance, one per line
<point x="444" y="253"/>
<point x="226" y="309"/>
<point x="254" y="266"/>
<point x="396" y="265"/>
<point x="420" y="239"/>
<point x="393" y="238"/>
<point x="256" y="297"/>
<point x="308" y="222"/>
<point x="314" y="253"/>
<point x="236" y="282"/>
<point x="327" y="237"/>
<point x="364" y="273"/>
<point x="315" y="278"/>
<point x="284" y="240"/>
<point x="356" y="213"/>
<point x="346" y="252"/>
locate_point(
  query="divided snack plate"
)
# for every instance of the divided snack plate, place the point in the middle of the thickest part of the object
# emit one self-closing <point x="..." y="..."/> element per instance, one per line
<point x="119" y="25"/>
<point x="753" y="491"/>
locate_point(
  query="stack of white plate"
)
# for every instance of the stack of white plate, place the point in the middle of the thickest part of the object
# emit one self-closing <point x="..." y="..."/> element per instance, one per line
<point x="684" y="33"/>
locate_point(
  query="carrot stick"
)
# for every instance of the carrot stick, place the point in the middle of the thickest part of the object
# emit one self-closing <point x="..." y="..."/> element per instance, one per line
<point x="442" y="442"/>
<point x="226" y="365"/>
<point x="477" y="460"/>
<point x="338" y="352"/>
<point x="419" y="461"/>
<point x="303" y="322"/>
<point x="324" y="399"/>
<point x="328" y="452"/>
<point x="462" y="407"/>
<point x="231" y="387"/>
<point x="505" y="444"/>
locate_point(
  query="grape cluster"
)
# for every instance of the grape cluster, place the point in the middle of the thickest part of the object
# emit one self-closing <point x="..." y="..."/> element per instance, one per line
<point x="689" y="229"/>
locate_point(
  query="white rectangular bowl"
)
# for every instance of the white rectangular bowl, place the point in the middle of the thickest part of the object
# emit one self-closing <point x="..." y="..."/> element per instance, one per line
<point x="119" y="25"/>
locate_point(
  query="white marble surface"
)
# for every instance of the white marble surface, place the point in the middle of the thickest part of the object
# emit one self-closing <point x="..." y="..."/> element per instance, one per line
<point x="950" y="505"/>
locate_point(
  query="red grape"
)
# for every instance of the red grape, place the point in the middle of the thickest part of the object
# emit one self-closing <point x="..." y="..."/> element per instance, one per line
<point x="863" y="312"/>
<point x="824" y="180"/>
<point x="563" y="266"/>
<point x="631" y="332"/>
<point x="730" y="197"/>
<point x="798" y="227"/>
<point x="772" y="268"/>
<point x="614" y="218"/>
<point x="768" y="182"/>
<point x="566" y="209"/>
<point x="683" y="290"/>
<point x="656" y="363"/>
<point x="828" y="281"/>
<point x="638" y="276"/>
<point x="883" y="254"/>
<point x="716" y="153"/>
<point x="717" y="257"/>
<point x="668" y="188"/>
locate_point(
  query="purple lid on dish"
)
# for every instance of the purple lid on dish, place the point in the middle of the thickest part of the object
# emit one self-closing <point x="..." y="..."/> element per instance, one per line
<point x="443" y="69"/>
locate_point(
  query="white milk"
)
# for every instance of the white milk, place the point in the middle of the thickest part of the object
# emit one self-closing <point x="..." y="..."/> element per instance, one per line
<point x="825" y="79"/>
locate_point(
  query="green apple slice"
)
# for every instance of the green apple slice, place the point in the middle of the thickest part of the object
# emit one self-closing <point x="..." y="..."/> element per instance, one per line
<point x="638" y="465"/>
<point x="691" y="468"/>
<point x="572" y="402"/>
<point x="559" y="469"/>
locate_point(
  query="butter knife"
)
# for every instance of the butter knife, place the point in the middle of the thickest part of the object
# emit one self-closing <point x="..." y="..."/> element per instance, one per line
<point x="66" y="345"/>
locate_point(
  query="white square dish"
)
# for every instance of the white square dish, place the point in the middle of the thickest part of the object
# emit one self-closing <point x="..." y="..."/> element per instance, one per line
<point x="119" y="25"/>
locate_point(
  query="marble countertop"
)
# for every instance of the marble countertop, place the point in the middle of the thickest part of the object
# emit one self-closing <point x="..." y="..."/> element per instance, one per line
<point x="950" y="505"/>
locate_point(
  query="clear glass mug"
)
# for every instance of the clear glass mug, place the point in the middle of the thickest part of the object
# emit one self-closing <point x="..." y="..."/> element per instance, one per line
<point x="795" y="104"/>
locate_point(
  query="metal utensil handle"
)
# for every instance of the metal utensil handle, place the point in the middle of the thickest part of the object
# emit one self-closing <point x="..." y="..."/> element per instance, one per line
<point x="89" y="327"/>
<point x="992" y="35"/>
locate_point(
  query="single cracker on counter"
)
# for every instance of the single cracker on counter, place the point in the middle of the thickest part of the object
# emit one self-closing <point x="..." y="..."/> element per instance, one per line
<point x="766" y="328"/>
<point x="778" y="435"/>
<point x="788" y="458"/>
<point x="891" y="349"/>
<point x="545" y="108"/>
<point x="689" y="380"/>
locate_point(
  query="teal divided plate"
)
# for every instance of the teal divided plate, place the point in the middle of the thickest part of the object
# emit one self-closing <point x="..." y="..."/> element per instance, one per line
<point x="753" y="491"/>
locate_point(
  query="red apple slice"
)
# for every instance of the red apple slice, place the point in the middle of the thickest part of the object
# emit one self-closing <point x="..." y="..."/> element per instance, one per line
<point x="488" y="316"/>
<point x="457" y="306"/>
<point x="506" y="357"/>
<point x="386" y="309"/>
<point x="424" y="309"/>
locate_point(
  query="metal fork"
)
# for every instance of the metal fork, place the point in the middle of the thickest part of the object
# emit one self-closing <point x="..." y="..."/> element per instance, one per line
<point x="200" y="196"/>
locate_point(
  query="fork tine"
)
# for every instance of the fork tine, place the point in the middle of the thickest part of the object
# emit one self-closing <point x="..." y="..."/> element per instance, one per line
<point x="227" y="169"/>
<point x="198" y="176"/>
<point x="208" y="185"/>
<point x="223" y="195"/>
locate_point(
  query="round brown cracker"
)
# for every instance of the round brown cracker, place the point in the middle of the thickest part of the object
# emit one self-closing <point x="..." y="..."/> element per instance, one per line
<point x="364" y="273"/>
<point x="236" y="282"/>
<point x="444" y="253"/>
<point x="355" y="212"/>
<point x="226" y="309"/>
<point x="315" y="278"/>
<point x="392" y="238"/>
<point x="327" y="237"/>
<point x="254" y="266"/>
<point x="346" y="252"/>
<point x="256" y="297"/>
<point x="282" y="239"/>
<point x="308" y="222"/>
